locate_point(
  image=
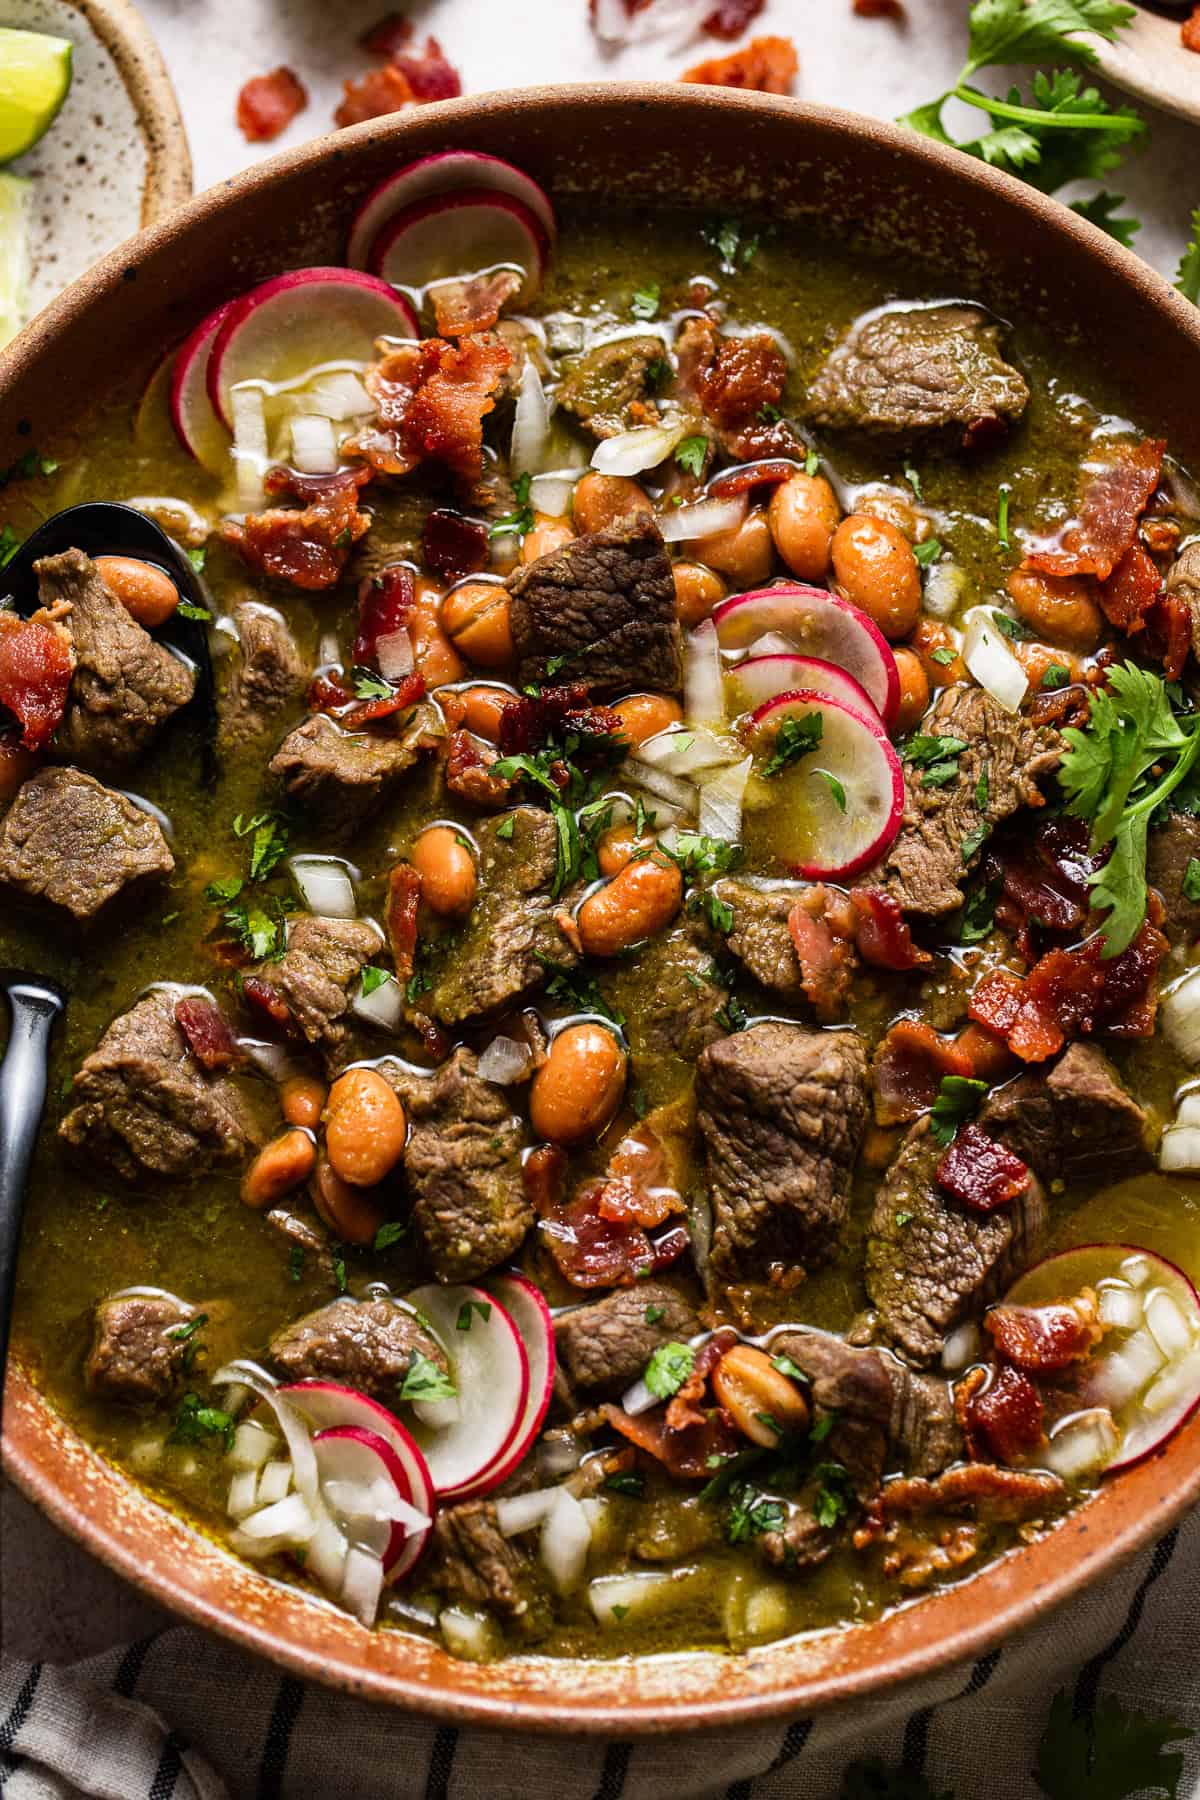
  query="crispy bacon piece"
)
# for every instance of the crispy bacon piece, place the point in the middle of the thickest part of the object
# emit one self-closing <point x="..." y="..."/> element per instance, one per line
<point x="543" y="1174"/>
<point x="432" y="399"/>
<point x="1044" y="877"/>
<point x="1189" y="31"/>
<point x="388" y="36"/>
<point x="980" y="1173"/>
<point x="882" y="932"/>
<point x="453" y="545"/>
<point x="406" y="693"/>
<point x="208" y="1036"/>
<point x="768" y="65"/>
<point x="1005" y="1493"/>
<point x="908" y="1067"/>
<point x="821" y="924"/>
<point x="1169" y="634"/>
<point x="1004" y="1419"/>
<point x="687" y="1454"/>
<point x="461" y="307"/>
<point x="641" y="1182"/>
<point x="1042" y="1339"/>
<point x="400" y="917"/>
<point x="1119" y="483"/>
<point x="36" y="664"/>
<point x="879" y="9"/>
<point x="468" y="763"/>
<point x="385" y="606"/>
<point x="266" y="999"/>
<point x="307" y="547"/>
<point x="684" y="1407"/>
<point x="732" y="379"/>
<point x="593" y="1249"/>
<point x="1130" y="591"/>
<point x="527" y="723"/>
<point x="267" y="104"/>
<point x="1072" y="993"/>
<point x="429" y="75"/>
<point x="729" y="18"/>
<point x="1060" y="706"/>
<point x="756" y="474"/>
<point x="408" y="79"/>
<point x="326" y="693"/>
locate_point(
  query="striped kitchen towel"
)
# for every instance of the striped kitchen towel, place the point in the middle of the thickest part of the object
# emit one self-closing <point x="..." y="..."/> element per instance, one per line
<point x="181" y="1716"/>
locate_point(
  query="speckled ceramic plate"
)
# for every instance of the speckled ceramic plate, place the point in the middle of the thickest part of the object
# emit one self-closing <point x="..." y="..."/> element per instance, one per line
<point x="1149" y="60"/>
<point x="116" y="158"/>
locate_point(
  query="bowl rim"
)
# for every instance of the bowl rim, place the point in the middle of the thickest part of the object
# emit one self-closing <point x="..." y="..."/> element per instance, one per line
<point x="54" y="1467"/>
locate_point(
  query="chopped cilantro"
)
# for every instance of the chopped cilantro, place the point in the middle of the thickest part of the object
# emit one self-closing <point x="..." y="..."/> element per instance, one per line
<point x="505" y="828"/>
<point x="220" y="893"/>
<point x="1190" y="886"/>
<point x="936" y="757"/>
<point x="373" y="977"/>
<point x="644" y="304"/>
<point x="983" y="788"/>
<point x="835" y="788"/>
<point x="1055" y="675"/>
<point x="735" y="252"/>
<point x="903" y="1218"/>
<point x="943" y="657"/>
<point x="189" y="1329"/>
<point x="633" y="1485"/>
<point x="658" y="372"/>
<point x="786" y="1366"/>
<point x="1011" y="628"/>
<point x="26" y="466"/>
<point x="812" y="462"/>
<point x="691" y="453"/>
<point x="187" y="610"/>
<point x="794" y="739"/>
<point x="262" y="934"/>
<point x="654" y="1314"/>
<point x="417" y="984"/>
<point x="928" y="552"/>
<point x="718" y="912"/>
<point x="979" y="914"/>
<point x="339" y="1274"/>
<point x="520" y="520"/>
<point x="959" y="1098"/>
<point x="668" y="1369"/>
<point x="1188" y="278"/>
<point x="974" y="841"/>
<point x="618" y="1611"/>
<point x="295" y="1263"/>
<point x="913" y="480"/>
<point x="733" y="1015"/>
<point x="577" y="989"/>
<point x="834" y="1494"/>
<point x="369" y="686"/>
<point x="770" y="415"/>
<point x="195" y="1423"/>
<point x="423" y="1380"/>
<point x="197" y="557"/>
<point x="823" y="1426"/>
<point x="10" y="543"/>
<point x="751" y="1513"/>
<point x="697" y="855"/>
<point x="1005" y="495"/>
<point x="390" y="1234"/>
<point x="463" y="1321"/>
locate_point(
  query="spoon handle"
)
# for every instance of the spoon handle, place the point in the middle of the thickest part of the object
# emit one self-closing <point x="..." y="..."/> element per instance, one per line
<point x="35" y="1007"/>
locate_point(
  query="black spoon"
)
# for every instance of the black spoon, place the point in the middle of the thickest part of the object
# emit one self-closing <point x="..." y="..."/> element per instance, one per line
<point x="34" y="1004"/>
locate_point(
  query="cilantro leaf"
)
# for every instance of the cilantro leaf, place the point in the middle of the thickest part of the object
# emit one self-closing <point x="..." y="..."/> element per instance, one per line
<point x="834" y="1495"/>
<point x="1110" y="1756"/>
<point x="691" y="452"/>
<point x="370" y="686"/>
<point x="668" y="1369"/>
<point x="423" y="1380"/>
<point x="794" y="739"/>
<point x="262" y="934"/>
<point x="373" y="977"/>
<point x="195" y="1423"/>
<point x="644" y="304"/>
<point x="928" y="552"/>
<point x="187" y="610"/>
<point x="219" y="893"/>
<point x="959" y="1098"/>
<point x="1188" y="278"/>
<point x="268" y="849"/>
<point x="389" y="1234"/>
<point x="835" y="788"/>
<point x="520" y="520"/>
<point x="1190" y="885"/>
<point x="1101" y="210"/>
<point x="751" y="1513"/>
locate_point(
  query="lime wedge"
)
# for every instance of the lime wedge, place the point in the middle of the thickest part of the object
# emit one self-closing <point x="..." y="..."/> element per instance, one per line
<point x="14" y="254"/>
<point x="35" y="73"/>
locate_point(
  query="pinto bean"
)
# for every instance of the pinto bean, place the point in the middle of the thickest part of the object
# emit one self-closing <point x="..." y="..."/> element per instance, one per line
<point x="365" y="1128"/>
<point x="697" y="590"/>
<point x="475" y="618"/>
<point x="644" y="715"/>
<point x="929" y="640"/>
<point x="603" y="500"/>
<point x="803" y="516"/>
<point x="435" y="656"/>
<point x="898" y="510"/>
<point x="482" y="709"/>
<point x="579" y="1086"/>
<point x="639" y="901"/>
<point x="875" y="568"/>
<point x="914" y="689"/>
<point x="446" y="866"/>
<point x="547" y="534"/>
<point x="354" y="1213"/>
<point x="147" y="594"/>
<point x="1036" y="659"/>
<point x="283" y="1164"/>
<point x="302" y="1099"/>
<point x="746" y="553"/>
<point x="1058" y="607"/>
<point x="618" y="846"/>
<point x="758" y="1397"/>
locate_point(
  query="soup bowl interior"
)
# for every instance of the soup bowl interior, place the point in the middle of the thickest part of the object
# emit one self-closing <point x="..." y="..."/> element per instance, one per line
<point x="818" y="171"/>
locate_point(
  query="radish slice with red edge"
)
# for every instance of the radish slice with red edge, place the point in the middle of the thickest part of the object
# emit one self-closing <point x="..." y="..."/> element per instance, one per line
<point x="199" y="428"/>
<point x="443" y="174"/>
<point x="461" y="234"/>
<point x="819" y="624"/>
<point x="760" y="678"/>
<point x="299" y="320"/>
<point x="327" y="1405"/>
<point x="365" y="1485"/>
<point x="491" y="1375"/>
<point x="838" y="806"/>
<point x="527" y="1308"/>
<point x="1142" y="1380"/>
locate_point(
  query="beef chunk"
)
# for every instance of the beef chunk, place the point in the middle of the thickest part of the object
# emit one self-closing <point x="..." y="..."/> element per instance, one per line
<point x="902" y="1420"/>
<point x="462" y="1163"/>
<point x="68" y="840"/>
<point x="606" y="1346"/>
<point x="343" y="775"/>
<point x="910" y="371"/>
<point x="926" y="866"/>
<point x="498" y="953"/>
<point x="125" y="685"/>
<point x="605" y="603"/>
<point x="1170" y="851"/>
<point x="602" y="385"/>
<point x="670" y="998"/>
<point x="783" y="1111"/>
<point x="930" y="1262"/>
<point x="134" y="1359"/>
<point x="313" y="977"/>
<point x="759" y="936"/>
<point x="1183" y="579"/>
<point x="266" y="674"/>
<point x="1076" y="1123"/>
<point x="367" y="1344"/>
<point x="144" y="1106"/>
<point x="474" y="1565"/>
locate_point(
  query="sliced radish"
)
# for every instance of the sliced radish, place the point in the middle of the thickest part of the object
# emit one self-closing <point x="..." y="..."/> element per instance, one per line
<point x="327" y="1405"/>
<point x="1144" y="1375"/>
<point x="818" y="624"/>
<point x="443" y="174"/>
<point x="836" y="809"/>
<point x="199" y="429"/>
<point x="461" y="234"/>
<point x="762" y="678"/>
<point x="366" y="1485"/>
<point x="526" y="1306"/>
<point x="491" y="1374"/>
<point x="298" y="321"/>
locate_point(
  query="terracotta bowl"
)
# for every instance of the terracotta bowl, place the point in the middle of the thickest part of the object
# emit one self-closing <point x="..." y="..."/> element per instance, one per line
<point x="994" y="240"/>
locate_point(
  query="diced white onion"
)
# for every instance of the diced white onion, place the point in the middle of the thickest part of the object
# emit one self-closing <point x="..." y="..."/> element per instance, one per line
<point x="961" y="1347"/>
<point x="683" y="524"/>
<point x="1087" y="1440"/>
<point x="632" y="452"/>
<point x="613" y="1597"/>
<point x="329" y="650"/>
<point x="383" y="1006"/>
<point x="1179" y="1015"/>
<point x="504" y="1061"/>
<point x="945" y="585"/>
<point x="243" y="1494"/>
<point x="991" y="661"/>
<point x="325" y="1555"/>
<point x="1178" y="1381"/>
<point x="721" y="801"/>
<point x="703" y="685"/>
<point x="685" y="750"/>
<point x="772" y="643"/>
<point x="565" y="1541"/>
<point x="551" y="493"/>
<point x="1167" y="1324"/>
<point x="1120" y="1306"/>
<point x="394" y="654"/>
<point x="516" y="1513"/>
<point x="1136" y="1270"/>
<point x="531" y="423"/>
<point x="362" y="1583"/>
<point x="324" y="885"/>
<point x="295" y="1431"/>
<point x="558" y="1453"/>
<point x="471" y="1636"/>
<point x="340" y="395"/>
<point x="1188" y="1110"/>
<point x="375" y="1500"/>
<point x="638" y="1399"/>
<point x="274" y="1482"/>
<point x="1117" y="1378"/>
<point x="289" y="1518"/>
<point x="314" y="447"/>
<point x="275" y="1060"/>
<point x="250" y="448"/>
<point x="657" y="782"/>
<point x="252" y="1445"/>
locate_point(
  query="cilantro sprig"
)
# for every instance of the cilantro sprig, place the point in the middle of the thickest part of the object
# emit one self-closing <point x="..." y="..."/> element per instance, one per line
<point x="1188" y="278"/>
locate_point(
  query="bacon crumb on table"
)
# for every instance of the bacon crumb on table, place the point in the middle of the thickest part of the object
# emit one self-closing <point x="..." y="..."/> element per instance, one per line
<point x="879" y="9"/>
<point x="729" y="18"/>
<point x="1189" y="31"/>
<point x="267" y="104"/>
<point x="768" y="65"/>
<point x="407" y="79"/>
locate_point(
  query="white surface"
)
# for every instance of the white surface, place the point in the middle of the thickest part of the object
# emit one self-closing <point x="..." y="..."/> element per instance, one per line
<point x="54" y="1601"/>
